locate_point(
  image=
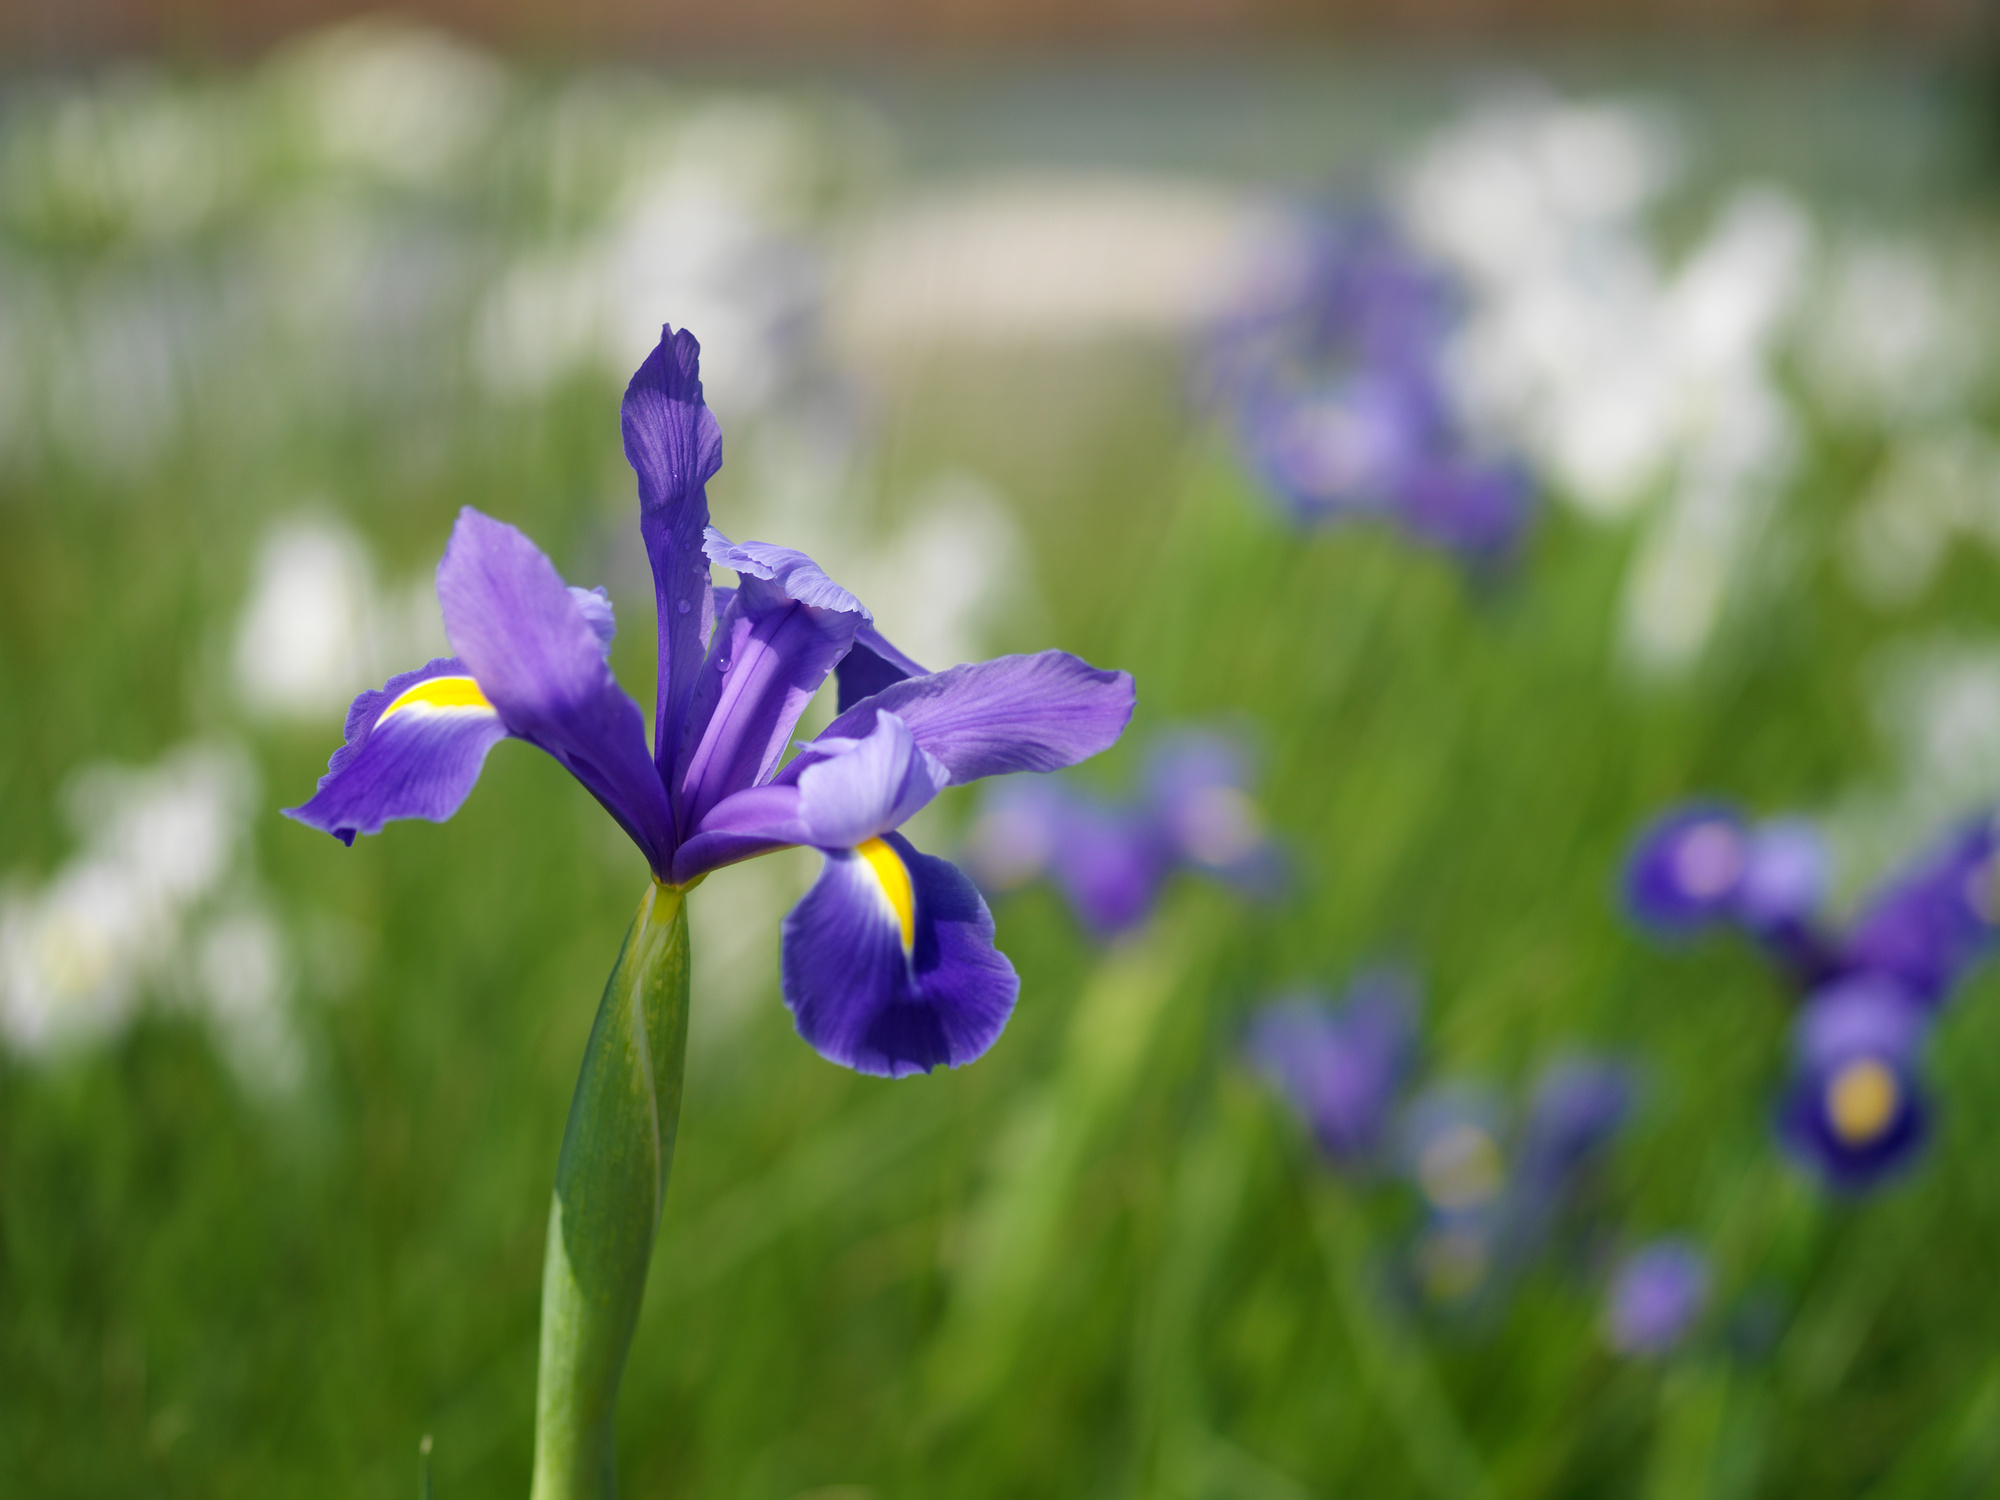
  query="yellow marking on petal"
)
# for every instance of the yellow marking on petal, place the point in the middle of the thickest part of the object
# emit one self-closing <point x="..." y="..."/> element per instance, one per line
<point x="438" y="693"/>
<point x="894" y="879"/>
<point x="1861" y="1101"/>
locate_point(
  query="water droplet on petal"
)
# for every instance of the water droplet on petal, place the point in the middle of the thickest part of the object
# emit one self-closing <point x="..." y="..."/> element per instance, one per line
<point x="685" y="606"/>
<point x="722" y="664"/>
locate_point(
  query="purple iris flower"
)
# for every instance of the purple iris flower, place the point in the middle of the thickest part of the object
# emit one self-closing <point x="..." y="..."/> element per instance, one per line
<point x="1342" y="1068"/>
<point x="1932" y="922"/>
<point x="1451" y="1147"/>
<point x="888" y="964"/>
<point x="1655" y="1298"/>
<point x="1854" y="1113"/>
<point x="1112" y="860"/>
<point x="1686" y="870"/>
<point x="1335" y="384"/>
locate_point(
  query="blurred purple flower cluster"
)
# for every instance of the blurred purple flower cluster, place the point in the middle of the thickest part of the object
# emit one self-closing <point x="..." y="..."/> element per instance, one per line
<point x="1854" y="1112"/>
<point x="1495" y="1187"/>
<point x="1333" y="380"/>
<point x="1111" y="860"/>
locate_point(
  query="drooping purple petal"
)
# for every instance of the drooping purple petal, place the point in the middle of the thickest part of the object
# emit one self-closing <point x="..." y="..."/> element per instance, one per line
<point x="1656" y="1295"/>
<point x="889" y="965"/>
<point x="539" y="657"/>
<point x="1685" y="870"/>
<point x="784" y="629"/>
<point x="872" y="665"/>
<point x="413" y="750"/>
<point x="674" y="446"/>
<point x="1013" y="713"/>
<point x="1854" y="1113"/>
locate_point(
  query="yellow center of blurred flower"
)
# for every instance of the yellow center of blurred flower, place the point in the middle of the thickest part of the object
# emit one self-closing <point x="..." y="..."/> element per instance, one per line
<point x="1861" y="1101"/>
<point x="438" y="693"/>
<point x="895" y="883"/>
<point x="1460" y="1168"/>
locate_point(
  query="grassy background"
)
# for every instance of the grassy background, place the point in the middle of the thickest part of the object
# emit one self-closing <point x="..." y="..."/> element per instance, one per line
<point x="1102" y="1261"/>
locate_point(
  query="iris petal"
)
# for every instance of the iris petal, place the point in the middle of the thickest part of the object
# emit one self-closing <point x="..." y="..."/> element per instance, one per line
<point x="863" y="998"/>
<point x="538" y="655"/>
<point x="674" y="446"/>
<point x="413" y="750"/>
<point x="784" y="629"/>
<point x="872" y="665"/>
<point x="1013" y="713"/>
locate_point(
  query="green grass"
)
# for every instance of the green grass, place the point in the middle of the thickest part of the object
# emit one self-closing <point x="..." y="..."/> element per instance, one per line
<point x="1101" y="1261"/>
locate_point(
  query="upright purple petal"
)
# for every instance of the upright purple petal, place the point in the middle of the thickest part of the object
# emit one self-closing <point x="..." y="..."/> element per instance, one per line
<point x="413" y="750"/>
<point x="784" y="629"/>
<point x="1013" y="713"/>
<point x="889" y="965"/>
<point x="674" y="446"/>
<point x="539" y="657"/>
<point x="872" y="665"/>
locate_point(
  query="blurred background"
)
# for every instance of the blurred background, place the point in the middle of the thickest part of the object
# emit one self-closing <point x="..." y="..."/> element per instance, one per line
<point x="1483" y="429"/>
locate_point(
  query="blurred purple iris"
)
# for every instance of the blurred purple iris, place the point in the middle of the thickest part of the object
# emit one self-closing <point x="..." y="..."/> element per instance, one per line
<point x="1656" y="1296"/>
<point x="1703" y="864"/>
<point x="1334" y="383"/>
<point x="1342" y="1067"/>
<point x="888" y="964"/>
<point x="1110" y="860"/>
<point x="1854" y="1113"/>
<point x="1932" y="921"/>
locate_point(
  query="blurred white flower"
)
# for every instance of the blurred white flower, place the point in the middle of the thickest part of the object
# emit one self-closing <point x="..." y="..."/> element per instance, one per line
<point x="702" y="234"/>
<point x="316" y="629"/>
<point x="129" y="154"/>
<point x="397" y="101"/>
<point x="1625" y="379"/>
<point x="1936" y="706"/>
<point x="77" y="952"/>
<point x="1935" y="485"/>
<point x="242" y="978"/>
<point x="1026" y="260"/>
<point x="1888" y="343"/>
<point x="736" y="945"/>
<point x="957" y="571"/>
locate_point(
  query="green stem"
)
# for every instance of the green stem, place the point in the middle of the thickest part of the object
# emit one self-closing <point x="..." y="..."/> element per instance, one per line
<point x="610" y="1180"/>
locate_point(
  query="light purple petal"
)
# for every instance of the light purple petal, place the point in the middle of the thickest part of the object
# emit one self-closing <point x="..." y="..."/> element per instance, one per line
<point x="797" y="575"/>
<point x="742" y="825"/>
<point x="868" y="787"/>
<point x="596" y="607"/>
<point x="419" y="761"/>
<point x="540" y="662"/>
<point x="872" y="665"/>
<point x="772" y="649"/>
<point x="675" y="447"/>
<point x="865" y="1000"/>
<point x="1013" y="713"/>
